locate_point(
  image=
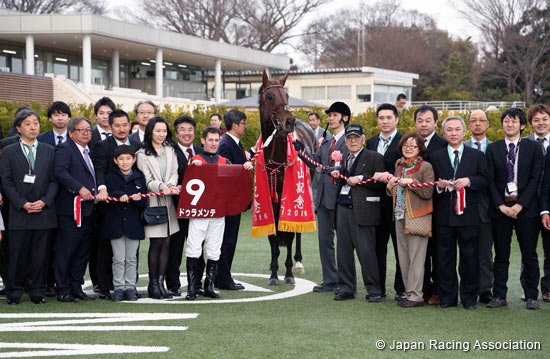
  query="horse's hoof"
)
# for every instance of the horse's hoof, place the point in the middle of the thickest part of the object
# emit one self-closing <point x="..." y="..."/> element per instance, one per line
<point x="273" y="281"/>
<point x="299" y="268"/>
<point x="290" y="280"/>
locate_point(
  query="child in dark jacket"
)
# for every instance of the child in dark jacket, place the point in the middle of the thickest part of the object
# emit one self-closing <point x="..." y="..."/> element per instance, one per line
<point x="123" y="224"/>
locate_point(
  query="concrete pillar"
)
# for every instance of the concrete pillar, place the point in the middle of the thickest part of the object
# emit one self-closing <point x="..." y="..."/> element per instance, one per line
<point x="115" y="64"/>
<point x="159" y="74"/>
<point x="87" y="61"/>
<point x="29" y="61"/>
<point x="218" y="81"/>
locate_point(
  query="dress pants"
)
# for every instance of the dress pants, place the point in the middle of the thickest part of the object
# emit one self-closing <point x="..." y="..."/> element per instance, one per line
<point x="545" y="280"/>
<point x="102" y="252"/>
<point x="326" y="218"/>
<point x="229" y="243"/>
<point x="362" y="239"/>
<point x="72" y="251"/>
<point x="527" y="233"/>
<point x="383" y="232"/>
<point x="25" y="246"/>
<point x="430" y="285"/>
<point x="467" y="238"/>
<point x="124" y="262"/>
<point x="485" y="257"/>
<point x="412" y="255"/>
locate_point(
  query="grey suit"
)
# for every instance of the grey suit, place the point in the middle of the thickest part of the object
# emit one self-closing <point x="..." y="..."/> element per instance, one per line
<point x="325" y="203"/>
<point x="315" y="180"/>
<point x="485" y="235"/>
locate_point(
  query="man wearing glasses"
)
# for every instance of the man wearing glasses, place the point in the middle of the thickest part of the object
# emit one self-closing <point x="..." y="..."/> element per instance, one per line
<point x="232" y="149"/>
<point x="145" y="110"/>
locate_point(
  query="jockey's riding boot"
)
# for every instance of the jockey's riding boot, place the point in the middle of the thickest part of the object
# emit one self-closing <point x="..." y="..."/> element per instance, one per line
<point x="211" y="267"/>
<point x="191" y="278"/>
<point x="153" y="289"/>
<point x="162" y="288"/>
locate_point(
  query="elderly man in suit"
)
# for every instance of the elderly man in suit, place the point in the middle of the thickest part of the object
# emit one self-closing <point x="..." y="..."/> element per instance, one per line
<point x="102" y="130"/>
<point x="145" y="110"/>
<point x="479" y="124"/>
<point x="386" y="144"/>
<point x="59" y="115"/>
<point x="462" y="175"/>
<point x="28" y="181"/>
<point x="232" y="149"/>
<point x="515" y="168"/>
<point x="184" y="128"/>
<point x="358" y="213"/>
<point x="339" y="115"/>
<point x="75" y="174"/>
<point x="425" y="120"/>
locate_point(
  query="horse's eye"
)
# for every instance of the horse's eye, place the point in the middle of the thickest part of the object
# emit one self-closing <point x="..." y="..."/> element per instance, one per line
<point x="270" y="97"/>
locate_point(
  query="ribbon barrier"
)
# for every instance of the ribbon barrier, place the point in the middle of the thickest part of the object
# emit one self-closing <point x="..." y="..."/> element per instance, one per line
<point x="78" y="208"/>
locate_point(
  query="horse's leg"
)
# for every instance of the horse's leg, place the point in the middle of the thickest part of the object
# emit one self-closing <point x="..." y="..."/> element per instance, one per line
<point x="274" y="279"/>
<point x="298" y="255"/>
<point x="289" y="278"/>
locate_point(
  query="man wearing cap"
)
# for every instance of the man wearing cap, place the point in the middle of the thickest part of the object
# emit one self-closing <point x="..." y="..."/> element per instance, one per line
<point x="357" y="216"/>
<point x="339" y="115"/>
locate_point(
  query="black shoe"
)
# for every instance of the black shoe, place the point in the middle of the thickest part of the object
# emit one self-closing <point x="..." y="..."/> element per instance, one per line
<point x="446" y="305"/>
<point x="343" y="296"/>
<point x="497" y="303"/>
<point x="12" y="301"/>
<point x="130" y="294"/>
<point x="118" y="295"/>
<point x="174" y="292"/>
<point x="38" y="300"/>
<point x="532" y="304"/>
<point x="153" y="289"/>
<point x="199" y="290"/>
<point x="84" y="296"/>
<point x="485" y="297"/>
<point x="3" y="290"/>
<point x="191" y="266"/>
<point x="50" y="292"/>
<point x="373" y="298"/>
<point x="66" y="298"/>
<point x="401" y="296"/>
<point x="324" y="288"/>
<point x="470" y="307"/>
<point x="104" y="294"/>
<point x="96" y="288"/>
<point x="232" y="286"/>
<point x="162" y="288"/>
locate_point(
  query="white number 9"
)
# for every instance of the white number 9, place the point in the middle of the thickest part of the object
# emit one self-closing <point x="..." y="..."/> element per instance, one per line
<point x="196" y="193"/>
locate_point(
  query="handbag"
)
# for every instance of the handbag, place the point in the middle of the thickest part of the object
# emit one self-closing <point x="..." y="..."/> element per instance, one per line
<point x="419" y="226"/>
<point x="155" y="215"/>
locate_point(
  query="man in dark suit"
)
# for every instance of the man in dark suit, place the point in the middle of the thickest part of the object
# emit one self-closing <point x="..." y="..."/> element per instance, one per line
<point x="75" y="174"/>
<point x="102" y="130"/>
<point x="59" y="115"/>
<point x="515" y="168"/>
<point x="425" y="120"/>
<point x="27" y="178"/>
<point x="145" y="110"/>
<point x="339" y="115"/>
<point x="386" y="144"/>
<point x="102" y="157"/>
<point x="358" y="214"/>
<point x="232" y="149"/>
<point x="184" y="128"/>
<point x="479" y="124"/>
<point x="462" y="175"/>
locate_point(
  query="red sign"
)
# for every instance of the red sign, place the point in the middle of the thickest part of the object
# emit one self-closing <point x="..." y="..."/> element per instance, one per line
<point x="211" y="191"/>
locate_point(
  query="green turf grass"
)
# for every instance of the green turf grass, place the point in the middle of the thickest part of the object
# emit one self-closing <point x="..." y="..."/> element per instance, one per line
<point x="308" y="326"/>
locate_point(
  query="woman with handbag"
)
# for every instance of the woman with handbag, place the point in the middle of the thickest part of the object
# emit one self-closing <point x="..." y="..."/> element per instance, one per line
<point x="412" y="208"/>
<point x="158" y="162"/>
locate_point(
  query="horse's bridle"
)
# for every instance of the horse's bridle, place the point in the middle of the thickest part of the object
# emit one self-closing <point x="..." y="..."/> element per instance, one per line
<point x="274" y="112"/>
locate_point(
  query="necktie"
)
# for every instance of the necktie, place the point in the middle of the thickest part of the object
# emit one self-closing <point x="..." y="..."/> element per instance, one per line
<point x="350" y="163"/>
<point x="59" y="140"/>
<point x="29" y="155"/>
<point x="386" y="144"/>
<point x="541" y="141"/>
<point x="189" y="153"/>
<point x="478" y="145"/>
<point x="455" y="162"/>
<point x="106" y="134"/>
<point x="332" y="144"/>
<point x="511" y="162"/>
<point x="89" y="164"/>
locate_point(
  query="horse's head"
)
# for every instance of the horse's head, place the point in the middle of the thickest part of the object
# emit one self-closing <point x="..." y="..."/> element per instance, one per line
<point x="274" y="104"/>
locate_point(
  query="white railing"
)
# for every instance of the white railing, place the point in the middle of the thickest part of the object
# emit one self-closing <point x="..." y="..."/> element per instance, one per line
<point x="468" y="105"/>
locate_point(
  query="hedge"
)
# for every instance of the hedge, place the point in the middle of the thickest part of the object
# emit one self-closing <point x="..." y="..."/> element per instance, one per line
<point x="201" y="114"/>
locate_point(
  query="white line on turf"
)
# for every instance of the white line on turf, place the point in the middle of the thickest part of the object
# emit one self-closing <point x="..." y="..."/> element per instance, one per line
<point x="62" y="349"/>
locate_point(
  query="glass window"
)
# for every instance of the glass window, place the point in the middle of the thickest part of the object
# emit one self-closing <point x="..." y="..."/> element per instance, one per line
<point x="313" y="93"/>
<point x="4" y="64"/>
<point x="16" y="65"/>
<point x="381" y="93"/>
<point x="363" y="93"/>
<point x="338" y="92"/>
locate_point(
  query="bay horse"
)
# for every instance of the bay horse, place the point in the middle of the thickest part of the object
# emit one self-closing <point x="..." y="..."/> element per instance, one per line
<point x="275" y="114"/>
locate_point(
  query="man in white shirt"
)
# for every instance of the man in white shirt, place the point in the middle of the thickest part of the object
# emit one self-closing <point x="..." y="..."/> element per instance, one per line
<point x="145" y="110"/>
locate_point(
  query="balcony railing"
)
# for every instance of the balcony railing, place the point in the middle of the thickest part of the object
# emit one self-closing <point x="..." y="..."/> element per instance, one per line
<point x="468" y="105"/>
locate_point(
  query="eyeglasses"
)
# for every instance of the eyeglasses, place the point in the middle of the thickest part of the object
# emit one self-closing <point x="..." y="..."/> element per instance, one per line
<point x="410" y="147"/>
<point x="84" y="130"/>
<point x="353" y="138"/>
<point x="243" y="123"/>
<point x="148" y="113"/>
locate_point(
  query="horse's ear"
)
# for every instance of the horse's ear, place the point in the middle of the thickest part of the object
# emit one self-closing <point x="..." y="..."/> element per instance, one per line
<point x="265" y="79"/>
<point x="283" y="79"/>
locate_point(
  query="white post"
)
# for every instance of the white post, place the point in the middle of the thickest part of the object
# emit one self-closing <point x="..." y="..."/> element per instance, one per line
<point x="115" y="63"/>
<point x="29" y="61"/>
<point x="87" y="61"/>
<point x="218" y="81"/>
<point x="159" y="74"/>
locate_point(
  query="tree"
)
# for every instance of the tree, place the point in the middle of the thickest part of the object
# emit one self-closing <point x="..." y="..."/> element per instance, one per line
<point x="55" y="6"/>
<point x="260" y="24"/>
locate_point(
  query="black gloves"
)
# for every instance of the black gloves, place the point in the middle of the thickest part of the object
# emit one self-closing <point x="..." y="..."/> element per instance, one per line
<point x="298" y="145"/>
